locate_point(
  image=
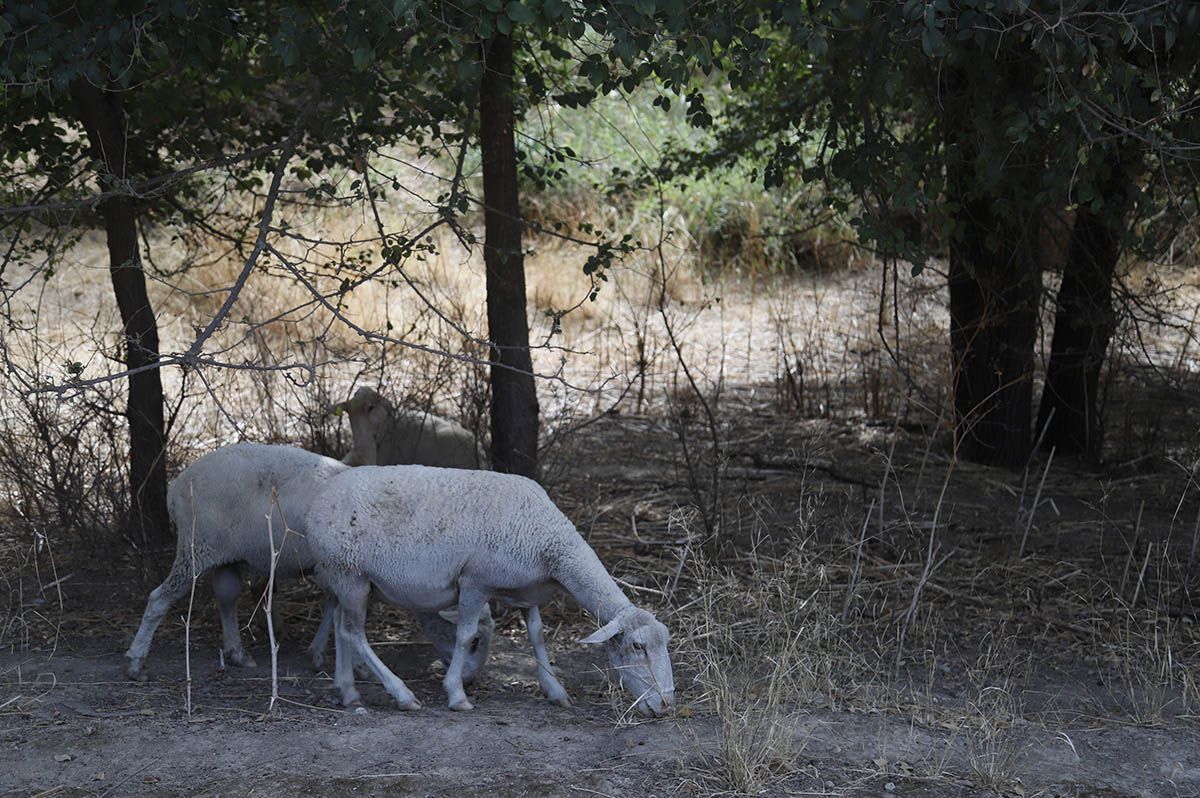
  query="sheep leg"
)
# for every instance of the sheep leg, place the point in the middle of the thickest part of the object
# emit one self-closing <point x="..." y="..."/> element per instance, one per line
<point x="551" y="687"/>
<point x="173" y="588"/>
<point x="343" y="666"/>
<point x="352" y="642"/>
<point x="320" y="642"/>
<point x="471" y="602"/>
<point x="227" y="584"/>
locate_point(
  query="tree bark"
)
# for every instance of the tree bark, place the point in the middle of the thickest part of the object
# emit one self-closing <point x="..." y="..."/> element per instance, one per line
<point x="994" y="269"/>
<point x="993" y="330"/>
<point x="514" y="395"/>
<point x="1084" y="322"/>
<point x="103" y="119"/>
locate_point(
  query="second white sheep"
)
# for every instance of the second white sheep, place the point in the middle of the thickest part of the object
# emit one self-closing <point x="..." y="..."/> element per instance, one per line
<point x="386" y="435"/>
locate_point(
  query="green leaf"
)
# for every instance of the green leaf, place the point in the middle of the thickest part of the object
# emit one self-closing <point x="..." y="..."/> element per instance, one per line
<point x="595" y="72"/>
<point x="519" y="12"/>
<point x="468" y="70"/>
<point x="933" y="42"/>
<point x="363" y="57"/>
<point x="857" y="10"/>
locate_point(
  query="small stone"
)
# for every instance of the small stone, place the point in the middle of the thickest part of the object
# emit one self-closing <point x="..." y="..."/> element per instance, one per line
<point x="62" y="757"/>
<point x="890" y="787"/>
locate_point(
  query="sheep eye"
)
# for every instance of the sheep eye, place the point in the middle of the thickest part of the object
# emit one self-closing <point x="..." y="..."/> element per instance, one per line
<point x="474" y="644"/>
<point x="639" y="647"/>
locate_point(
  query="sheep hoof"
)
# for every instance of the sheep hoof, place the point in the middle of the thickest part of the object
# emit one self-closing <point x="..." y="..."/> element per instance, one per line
<point x="136" y="672"/>
<point x="239" y="658"/>
<point x="561" y="701"/>
<point x="462" y="706"/>
<point x="410" y="706"/>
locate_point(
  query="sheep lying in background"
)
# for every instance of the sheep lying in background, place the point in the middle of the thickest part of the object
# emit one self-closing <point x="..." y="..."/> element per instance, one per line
<point x="384" y="435"/>
<point x="431" y="538"/>
<point x="219" y="505"/>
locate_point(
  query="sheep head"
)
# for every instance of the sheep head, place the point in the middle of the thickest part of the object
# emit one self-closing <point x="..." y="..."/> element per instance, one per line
<point x="442" y="630"/>
<point x="636" y="643"/>
<point x="369" y="413"/>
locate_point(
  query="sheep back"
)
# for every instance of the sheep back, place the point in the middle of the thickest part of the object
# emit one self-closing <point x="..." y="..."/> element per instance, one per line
<point x="418" y="438"/>
<point x="426" y="527"/>
<point x="220" y="504"/>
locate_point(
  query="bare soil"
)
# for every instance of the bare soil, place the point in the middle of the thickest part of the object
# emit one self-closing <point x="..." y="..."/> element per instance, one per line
<point x="82" y="730"/>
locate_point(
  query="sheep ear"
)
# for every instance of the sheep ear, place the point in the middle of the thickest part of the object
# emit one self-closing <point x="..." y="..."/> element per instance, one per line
<point x="605" y="632"/>
<point x="449" y="614"/>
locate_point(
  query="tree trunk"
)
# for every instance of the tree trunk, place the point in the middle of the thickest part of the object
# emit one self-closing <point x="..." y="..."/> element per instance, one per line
<point x="1083" y="324"/>
<point x="514" y="395"/>
<point x="103" y="119"/>
<point x="993" y="329"/>
<point x="994" y="270"/>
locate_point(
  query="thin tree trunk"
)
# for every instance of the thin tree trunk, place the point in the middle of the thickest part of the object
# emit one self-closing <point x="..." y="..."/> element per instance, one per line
<point x="103" y="119"/>
<point x="514" y="395"/>
<point x="1084" y="322"/>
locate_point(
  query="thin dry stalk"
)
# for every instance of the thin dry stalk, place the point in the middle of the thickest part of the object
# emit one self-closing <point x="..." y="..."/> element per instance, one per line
<point x="1191" y="563"/>
<point x="270" y="609"/>
<point x="187" y="621"/>
<point x="1137" y="538"/>
<point x="926" y="571"/>
<point x="1137" y="591"/>
<point x="1037" y="498"/>
<point x="852" y="590"/>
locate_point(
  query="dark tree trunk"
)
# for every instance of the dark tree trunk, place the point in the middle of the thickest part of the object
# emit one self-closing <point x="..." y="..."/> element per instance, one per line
<point x="993" y="329"/>
<point x="1083" y="324"/>
<point x="103" y="119"/>
<point x="514" y="395"/>
<point x="994" y="270"/>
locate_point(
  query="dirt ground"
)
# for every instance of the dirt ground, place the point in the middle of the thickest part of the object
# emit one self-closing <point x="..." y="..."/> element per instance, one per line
<point x="82" y="730"/>
<point x="71" y="725"/>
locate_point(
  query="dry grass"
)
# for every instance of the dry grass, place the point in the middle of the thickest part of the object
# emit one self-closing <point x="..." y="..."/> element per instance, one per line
<point x="767" y="643"/>
<point x="1148" y="645"/>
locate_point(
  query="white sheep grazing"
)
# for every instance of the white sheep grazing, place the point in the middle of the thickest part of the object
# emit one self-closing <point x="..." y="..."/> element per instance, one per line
<point x="219" y="505"/>
<point x="432" y="538"/>
<point x="384" y="435"/>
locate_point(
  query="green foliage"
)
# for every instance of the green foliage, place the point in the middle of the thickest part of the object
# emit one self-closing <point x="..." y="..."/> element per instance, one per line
<point x="200" y="82"/>
<point x="638" y="152"/>
<point x="1024" y="105"/>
